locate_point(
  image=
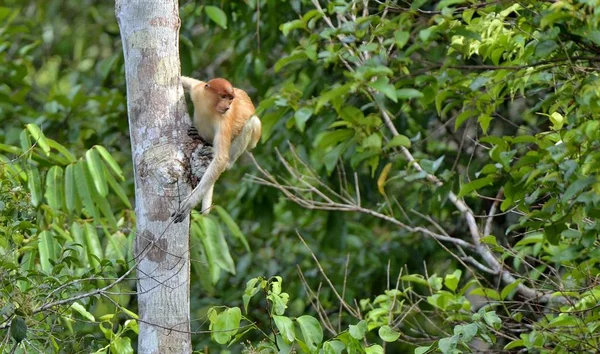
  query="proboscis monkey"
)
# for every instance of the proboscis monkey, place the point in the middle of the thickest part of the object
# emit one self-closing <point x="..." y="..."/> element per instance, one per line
<point x="223" y="116"/>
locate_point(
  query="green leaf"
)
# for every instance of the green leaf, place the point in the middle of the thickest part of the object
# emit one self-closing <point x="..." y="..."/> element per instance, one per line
<point x="107" y="157"/>
<point x="487" y="292"/>
<point x="515" y="344"/>
<point x="294" y="57"/>
<point x="79" y="238"/>
<point x="422" y="350"/>
<point x="415" y="278"/>
<point x="302" y="116"/>
<point x="484" y="121"/>
<point x="46" y="250"/>
<point x="82" y="311"/>
<point x="84" y="187"/>
<point x="398" y="140"/>
<point x="63" y="150"/>
<point x="359" y="330"/>
<point x="333" y="137"/>
<point x="116" y="187"/>
<point x="92" y="245"/>
<point x="461" y="118"/>
<point x="474" y="185"/>
<point x="552" y="232"/>
<point x="545" y="48"/>
<point x="214" y="242"/>
<point x="286" y="327"/>
<point x="451" y="280"/>
<point x="35" y="185"/>
<point x="467" y="332"/>
<point x="226" y="325"/>
<point x="337" y="92"/>
<point x="121" y="345"/>
<point x="25" y="141"/>
<point x="105" y="208"/>
<point x="252" y="287"/>
<point x="232" y="226"/>
<point x="214" y="270"/>
<point x="216" y="15"/>
<point x="388" y="334"/>
<point x="311" y="331"/>
<point x="285" y="28"/>
<point x="509" y="289"/>
<point x="489" y="240"/>
<point x="366" y="72"/>
<point x="564" y="320"/>
<point x="115" y="246"/>
<point x="382" y="85"/>
<point x="448" y="3"/>
<point x="408" y="93"/>
<point x="54" y="187"/>
<point x="39" y="138"/>
<point x="576" y="187"/>
<point x="373" y="141"/>
<point x="96" y="171"/>
<point x="279" y="302"/>
<point x="333" y="347"/>
<point x="401" y="38"/>
<point x="557" y="120"/>
<point x="448" y="344"/>
<point x="70" y="188"/>
<point x="492" y="319"/>
<point x="374" y="349"/>
<point x="18" y="329"/>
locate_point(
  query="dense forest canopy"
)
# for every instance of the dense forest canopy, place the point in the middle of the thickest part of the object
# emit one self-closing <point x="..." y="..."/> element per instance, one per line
<point x="428" y="178"/>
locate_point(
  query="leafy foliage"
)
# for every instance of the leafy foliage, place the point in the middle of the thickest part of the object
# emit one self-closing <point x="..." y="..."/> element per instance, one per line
<point x="430" y="137"/>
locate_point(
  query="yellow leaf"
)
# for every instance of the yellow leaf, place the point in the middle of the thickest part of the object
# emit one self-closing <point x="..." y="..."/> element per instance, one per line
<point x="383" y="178"/>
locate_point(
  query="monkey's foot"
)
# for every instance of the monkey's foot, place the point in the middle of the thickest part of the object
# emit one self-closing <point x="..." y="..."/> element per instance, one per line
<point x="180" y="215"/>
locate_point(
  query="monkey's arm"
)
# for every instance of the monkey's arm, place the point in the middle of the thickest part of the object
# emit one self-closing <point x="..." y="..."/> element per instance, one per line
<point x="204" y="189"/>
<point x="189" y="83"/>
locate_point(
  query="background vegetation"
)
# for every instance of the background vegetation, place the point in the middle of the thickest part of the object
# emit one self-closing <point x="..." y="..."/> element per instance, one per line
<point x="428" y="177"/>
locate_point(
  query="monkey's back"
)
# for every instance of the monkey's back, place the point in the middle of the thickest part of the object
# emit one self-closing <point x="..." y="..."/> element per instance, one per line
<point x="242" y="107"/>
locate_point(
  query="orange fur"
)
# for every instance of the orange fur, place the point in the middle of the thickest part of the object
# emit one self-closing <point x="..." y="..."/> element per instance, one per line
<point x="225" y="117"/>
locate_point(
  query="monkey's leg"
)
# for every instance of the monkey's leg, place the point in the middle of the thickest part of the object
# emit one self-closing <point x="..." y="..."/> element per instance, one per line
<point x="207" y="201"/>
<point x="245" y="141"/>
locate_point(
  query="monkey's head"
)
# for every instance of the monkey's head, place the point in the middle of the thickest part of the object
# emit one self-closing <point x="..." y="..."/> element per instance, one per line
<point x="222" y="92"/>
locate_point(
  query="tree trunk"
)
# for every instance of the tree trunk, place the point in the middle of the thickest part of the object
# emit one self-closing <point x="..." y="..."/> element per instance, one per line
<point x="158" y="121"/>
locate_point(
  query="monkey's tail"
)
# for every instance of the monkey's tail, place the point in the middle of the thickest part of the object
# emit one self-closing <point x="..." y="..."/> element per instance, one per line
<point x="189" y="83"/>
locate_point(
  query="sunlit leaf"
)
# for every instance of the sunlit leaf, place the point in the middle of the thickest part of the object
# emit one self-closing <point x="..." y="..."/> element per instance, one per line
<point x="54" y="190"/>
<point x="96" y="171"/>
<point x="38" y="137"/>
<point x="311" y="331"/>
<point x="46" y="250"/>
<point x="286" y="328"/>
<point x="216" y="15"/>
<point x="35" y="185"/>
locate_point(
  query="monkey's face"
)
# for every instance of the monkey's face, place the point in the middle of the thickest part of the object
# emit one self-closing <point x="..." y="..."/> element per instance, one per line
<point x="223" y="94"/>
<point x="223" y="103"/>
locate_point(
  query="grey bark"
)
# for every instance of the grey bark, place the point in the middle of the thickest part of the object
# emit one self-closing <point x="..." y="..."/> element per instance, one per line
<point x="158" y="121"/>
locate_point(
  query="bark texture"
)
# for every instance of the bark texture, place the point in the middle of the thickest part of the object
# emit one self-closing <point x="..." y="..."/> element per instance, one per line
<point x="158" y="121"/>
